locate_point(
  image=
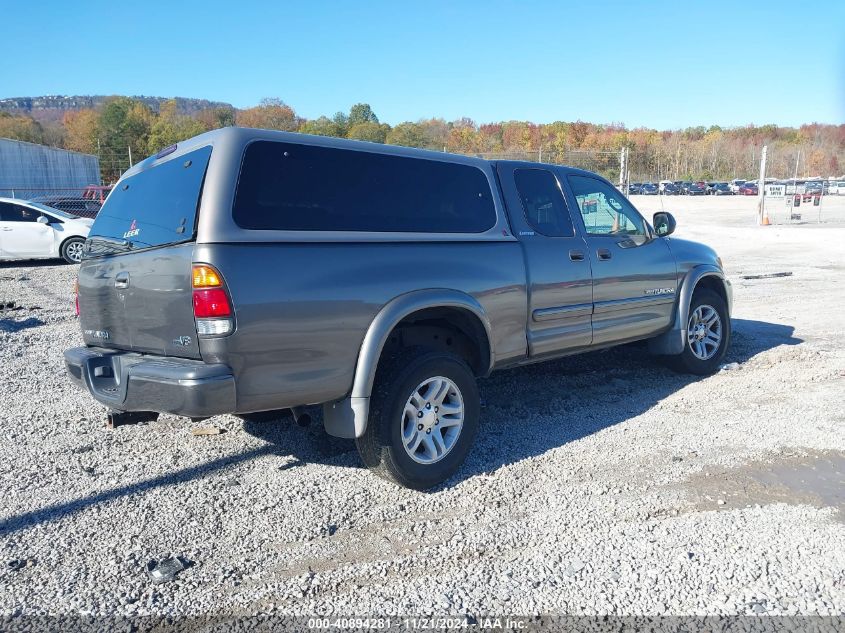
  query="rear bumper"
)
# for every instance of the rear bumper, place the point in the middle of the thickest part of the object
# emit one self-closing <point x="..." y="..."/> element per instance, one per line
<point x="128" y="381"/>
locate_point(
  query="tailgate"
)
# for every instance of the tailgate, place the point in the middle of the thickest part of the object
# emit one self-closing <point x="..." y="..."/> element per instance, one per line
<point x="140" y="301"/>
<point x="135" y="280"/>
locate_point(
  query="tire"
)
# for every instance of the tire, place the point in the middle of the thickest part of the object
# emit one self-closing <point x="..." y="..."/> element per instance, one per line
<point x="406" y="379"/>
<point x="72" y="250"/>
<point x="699" y="357"/>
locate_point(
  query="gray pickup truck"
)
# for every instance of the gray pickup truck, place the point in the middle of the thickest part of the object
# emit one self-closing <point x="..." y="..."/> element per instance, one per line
<point x="245" y="271"/>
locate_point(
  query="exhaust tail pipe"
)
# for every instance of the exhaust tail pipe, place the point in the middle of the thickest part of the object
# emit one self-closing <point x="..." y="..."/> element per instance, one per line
<point x="301" y="416"/>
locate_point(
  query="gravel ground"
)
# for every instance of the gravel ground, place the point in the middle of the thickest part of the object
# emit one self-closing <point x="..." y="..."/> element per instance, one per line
<point x="602" y="484"/>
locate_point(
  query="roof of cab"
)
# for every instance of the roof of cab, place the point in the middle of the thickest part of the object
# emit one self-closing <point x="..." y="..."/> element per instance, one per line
<point x="565" y="169"/>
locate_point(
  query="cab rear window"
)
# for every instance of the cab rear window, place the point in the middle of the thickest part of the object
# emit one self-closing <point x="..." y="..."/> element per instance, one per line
<point x="156" y="207"/>
<point x="292" y="187"/>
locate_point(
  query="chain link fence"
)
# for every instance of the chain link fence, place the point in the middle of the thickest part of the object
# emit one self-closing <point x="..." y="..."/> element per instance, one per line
<point x="80" y="201"/>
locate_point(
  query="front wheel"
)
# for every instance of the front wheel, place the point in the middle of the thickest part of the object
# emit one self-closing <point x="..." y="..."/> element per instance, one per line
<point x="72" y="250"/>
<point x="708" y="335"/>
<point x="423" y="418"/>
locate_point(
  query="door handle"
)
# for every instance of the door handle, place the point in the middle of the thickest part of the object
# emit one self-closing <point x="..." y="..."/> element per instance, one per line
<point x="576" y="256"/>
<point x="603" y="254"/>
<point x="6" y="228"/>
<point x="121" y="280"/>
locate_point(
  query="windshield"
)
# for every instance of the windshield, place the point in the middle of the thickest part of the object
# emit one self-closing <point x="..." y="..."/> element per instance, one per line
<point x="155" y="207"/>
<point x="53" y="211"/>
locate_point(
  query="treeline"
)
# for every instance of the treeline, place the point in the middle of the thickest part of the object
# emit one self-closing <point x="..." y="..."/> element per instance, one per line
<point x="122" y="126"/>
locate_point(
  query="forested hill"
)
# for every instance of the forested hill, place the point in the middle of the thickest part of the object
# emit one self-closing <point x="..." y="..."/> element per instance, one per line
<point x="51" y="108"/>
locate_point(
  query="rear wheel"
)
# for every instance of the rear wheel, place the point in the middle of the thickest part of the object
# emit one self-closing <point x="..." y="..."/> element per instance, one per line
<point x="708" y="335"/>
<point x="423" y="418"/>
<point x="72" y="250"/>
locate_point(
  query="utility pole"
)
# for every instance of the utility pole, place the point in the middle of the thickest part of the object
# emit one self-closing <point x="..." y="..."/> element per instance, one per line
<point x="623" y="166"/>
<point x="130" y="155"/>
<point x="762" y="216"/>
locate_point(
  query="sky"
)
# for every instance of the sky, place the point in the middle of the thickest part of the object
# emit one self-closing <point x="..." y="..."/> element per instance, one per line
<point x="665" y="65"/>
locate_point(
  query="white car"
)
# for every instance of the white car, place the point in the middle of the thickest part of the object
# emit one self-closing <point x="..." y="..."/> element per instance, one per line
<point x="29" y="230"/>
<point x="735" y="184"/>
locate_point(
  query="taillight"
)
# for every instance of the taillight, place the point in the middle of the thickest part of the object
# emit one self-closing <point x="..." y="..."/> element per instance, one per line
<point x="212" y="310"/>
<point x="76" y="296"/>
<point x="211" y="302"/>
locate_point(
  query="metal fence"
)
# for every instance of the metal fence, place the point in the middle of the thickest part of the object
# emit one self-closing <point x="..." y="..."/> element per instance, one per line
<point x="82" y="201"/>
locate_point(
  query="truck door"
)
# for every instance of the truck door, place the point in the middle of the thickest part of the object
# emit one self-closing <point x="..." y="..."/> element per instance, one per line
<point x="634" y="272"/>
<point x="557" y="265"/>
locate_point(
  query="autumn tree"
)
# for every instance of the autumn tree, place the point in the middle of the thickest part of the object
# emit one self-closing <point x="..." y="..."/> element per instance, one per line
<point x="81" y="128"/>
<point x="20" y="128"/>
<point x="124" y="123"/>
<point x="407" y="134"/>
<point x="170" y="127"/>
<point x="214" y="118"/>
<point x="361" y="113"/>
<point x="372" y="132"/>
<point x="436" y="133"/>
<point x="270" y="114"/>
<point x="324" y="126"/>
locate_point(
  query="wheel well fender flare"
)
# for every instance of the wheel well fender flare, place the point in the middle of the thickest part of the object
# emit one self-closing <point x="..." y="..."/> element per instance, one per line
<point x="673" y="340"/>
<point x="347" y="417"/>
<point x="688" y="286"/>
<point x="393" y="313"/>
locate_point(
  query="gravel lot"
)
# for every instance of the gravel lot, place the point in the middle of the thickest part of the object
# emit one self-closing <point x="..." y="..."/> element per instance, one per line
<point x="602" y="484"/>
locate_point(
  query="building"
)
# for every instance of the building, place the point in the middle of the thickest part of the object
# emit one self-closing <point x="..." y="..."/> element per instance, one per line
<point x="27" y="168"/>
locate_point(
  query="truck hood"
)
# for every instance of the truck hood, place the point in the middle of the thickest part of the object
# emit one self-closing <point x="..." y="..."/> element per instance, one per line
<point x="689" y="254"/>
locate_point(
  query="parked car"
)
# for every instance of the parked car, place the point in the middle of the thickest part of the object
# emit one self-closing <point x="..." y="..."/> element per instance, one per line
<point x="812" y="189"/>
<point x="735" y="184"/>
<point x="74" y="205"/>
<point x="649" y="189"/>
<point x="721" y="189"/>
<point x="748" y="189"/>
<point x="696" y="189"/>
<point x="685" y="185"/>
<point x="281" y="270"/>
<point x="635" y="188"/>
<point x="670" y="189"/>
<point x="29" y="230"/>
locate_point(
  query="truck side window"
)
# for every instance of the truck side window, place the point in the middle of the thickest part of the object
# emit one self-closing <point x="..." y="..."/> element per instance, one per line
<point x="292" y="187"/>
<point x="542" y="202"/>
<point x="604" y="209"/>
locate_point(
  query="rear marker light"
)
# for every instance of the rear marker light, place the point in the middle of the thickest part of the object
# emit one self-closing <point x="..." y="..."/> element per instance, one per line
<point x="205" y="277"/>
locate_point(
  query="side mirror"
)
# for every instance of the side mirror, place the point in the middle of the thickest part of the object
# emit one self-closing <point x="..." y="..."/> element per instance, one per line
<point x="664" y="223"/>
<point x="42" y="220"/>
